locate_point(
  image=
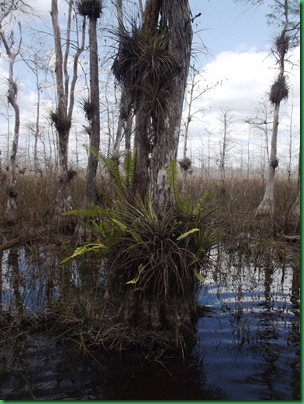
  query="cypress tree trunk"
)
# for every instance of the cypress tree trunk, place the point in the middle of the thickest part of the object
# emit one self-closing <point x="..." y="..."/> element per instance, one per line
<point x="90" y="187"/>
<point x="62" y="117"/>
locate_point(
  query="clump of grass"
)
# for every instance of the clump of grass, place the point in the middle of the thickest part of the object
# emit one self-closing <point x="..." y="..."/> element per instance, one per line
<point x="235" y="203"/>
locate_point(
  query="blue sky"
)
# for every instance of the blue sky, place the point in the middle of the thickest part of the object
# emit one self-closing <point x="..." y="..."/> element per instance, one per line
<point x="239" y="40"/>
<point x="230" y="26"/>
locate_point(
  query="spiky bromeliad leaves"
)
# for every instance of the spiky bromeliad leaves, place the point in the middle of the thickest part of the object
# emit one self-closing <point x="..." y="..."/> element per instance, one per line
<point x="164" y="251"/>
<point x="152" y="259"/>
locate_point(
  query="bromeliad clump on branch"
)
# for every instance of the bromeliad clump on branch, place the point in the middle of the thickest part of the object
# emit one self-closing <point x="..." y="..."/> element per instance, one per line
<point x="62" y="124"/>
<point x="90" y="8"/>
<point x="144" y="65"/>
<point x="279" y="90"/>
<point x="152" y="64"/>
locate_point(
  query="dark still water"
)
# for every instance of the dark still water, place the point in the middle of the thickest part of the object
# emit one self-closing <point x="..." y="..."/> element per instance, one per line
<point x="248" y="337"/>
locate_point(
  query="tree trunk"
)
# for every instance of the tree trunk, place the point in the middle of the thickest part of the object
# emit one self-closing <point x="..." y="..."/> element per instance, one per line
<point x="266" y="206"/>
<point x="90" y="187"/>
<point x="176" y="17"/>
<point x="279" y="92"/>
<point x="62" y="117"/>
<point x="90" y="195"/>
<point x="124" y="126"/>
<point x="125" y="110"/>
<point x="11" y="211"/>
<point x="62" y="124"/>
<point x="141" y="145"/>
<point x="293" y="220"/>
<point x="37" y="125"/>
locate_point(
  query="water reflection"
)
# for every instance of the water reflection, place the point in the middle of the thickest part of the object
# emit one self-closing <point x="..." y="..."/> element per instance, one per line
<point x="248" y="337"/>
<point x="28" y="279"/>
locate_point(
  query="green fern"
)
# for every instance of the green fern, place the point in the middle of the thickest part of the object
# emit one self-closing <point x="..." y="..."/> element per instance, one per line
<point x="129" y="168"/>
<point x="184" y="235"/>
<point x="89" y="247"/>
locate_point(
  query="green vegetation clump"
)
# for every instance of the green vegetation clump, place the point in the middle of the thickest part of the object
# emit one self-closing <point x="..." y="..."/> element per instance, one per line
<point x="153" y="258"/>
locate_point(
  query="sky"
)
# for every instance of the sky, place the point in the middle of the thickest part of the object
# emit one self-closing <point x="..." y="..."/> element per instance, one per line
<point x="227" y="25"/>
<point x="239" y="40"/>
<point x="231" y="46"/>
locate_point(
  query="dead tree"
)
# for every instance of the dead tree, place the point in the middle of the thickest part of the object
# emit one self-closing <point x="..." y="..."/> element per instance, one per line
<point x="62" y="116"/>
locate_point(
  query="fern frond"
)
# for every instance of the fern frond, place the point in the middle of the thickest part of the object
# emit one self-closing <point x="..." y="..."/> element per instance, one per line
<point x="129" y="168"/>
<point x="187" y="233"/>
<point x="84" y="249"/>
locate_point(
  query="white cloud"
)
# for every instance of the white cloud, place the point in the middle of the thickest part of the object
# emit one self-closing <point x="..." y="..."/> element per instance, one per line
<point x="246" y="78"/>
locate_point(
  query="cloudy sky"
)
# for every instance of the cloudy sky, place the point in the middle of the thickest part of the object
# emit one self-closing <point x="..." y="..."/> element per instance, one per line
<point x="239" y="42"/>
<point x="232" y="45"/>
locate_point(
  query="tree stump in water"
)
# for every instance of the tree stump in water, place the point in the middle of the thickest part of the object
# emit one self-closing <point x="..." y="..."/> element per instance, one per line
<point x="168" y="326"/>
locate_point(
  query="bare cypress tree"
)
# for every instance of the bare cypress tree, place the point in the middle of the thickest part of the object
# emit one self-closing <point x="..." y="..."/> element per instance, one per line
<point x="92" y="9"/>
<point x="32" y="57"/>
<point x="285" y="15"/>
<point x="62" y="117"/>
<point x="8" y="38"/>
<point x="279" y="91"/>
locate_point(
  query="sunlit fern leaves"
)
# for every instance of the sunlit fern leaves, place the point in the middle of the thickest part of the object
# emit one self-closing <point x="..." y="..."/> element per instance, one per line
<point x="85" y="248"/>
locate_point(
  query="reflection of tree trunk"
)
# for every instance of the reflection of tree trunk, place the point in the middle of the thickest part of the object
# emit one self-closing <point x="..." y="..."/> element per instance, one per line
<point x="14" y="266"/>
<point x="295" y="287"/>
<point x="267" y="286"/>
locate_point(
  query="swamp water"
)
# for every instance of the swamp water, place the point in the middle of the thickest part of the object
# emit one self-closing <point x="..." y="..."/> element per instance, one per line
<point x="248" y="337"/>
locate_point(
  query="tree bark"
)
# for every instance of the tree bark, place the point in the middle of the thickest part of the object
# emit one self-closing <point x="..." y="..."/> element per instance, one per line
<point x="90" y="188"/>
<point x="62" y="117"/>
<point x="11" y="214"/>
<point x="155" y="156"/>
<point x="267" y="204"/>
<point x="90" y="195"/>
<point x="282" y="44"/>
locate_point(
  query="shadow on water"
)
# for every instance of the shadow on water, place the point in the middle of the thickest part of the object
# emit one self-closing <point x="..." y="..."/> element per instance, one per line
<point x="248" y="335"/>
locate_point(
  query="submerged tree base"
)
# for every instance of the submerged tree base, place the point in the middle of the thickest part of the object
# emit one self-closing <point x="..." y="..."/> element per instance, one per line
<point x="120" y="328"/>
